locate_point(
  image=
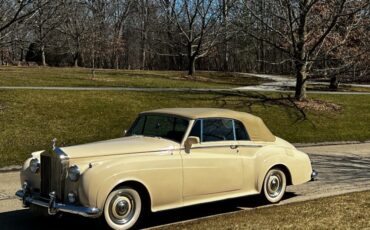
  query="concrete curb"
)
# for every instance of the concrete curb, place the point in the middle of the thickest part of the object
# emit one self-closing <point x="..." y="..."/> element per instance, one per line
<point x="299" y="145"/>
<point x="10" y="168"/>
<point x="13" y="168"/>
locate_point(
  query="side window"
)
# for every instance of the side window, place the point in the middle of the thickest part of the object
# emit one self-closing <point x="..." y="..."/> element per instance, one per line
<point x="157" y="125"/>
<point x="241" y="133"/>
<point x="138" y="127"/>
<point x="180" y="125"/>
<point x="178" y="130"/>
<point x="195" y="131"/>
<point x="217" y="130"/>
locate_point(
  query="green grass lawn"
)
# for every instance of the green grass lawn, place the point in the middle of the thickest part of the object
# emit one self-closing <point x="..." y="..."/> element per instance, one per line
<point x="30" y="119"/>
<point x="341" y="88"/>
<point x="37" y="76"/>
<point x="350" y="211"/>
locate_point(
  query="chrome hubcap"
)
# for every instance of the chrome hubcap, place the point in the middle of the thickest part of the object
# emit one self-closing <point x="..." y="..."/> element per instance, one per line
<point x="122" y="208"/>
<point x="274" y="184"/>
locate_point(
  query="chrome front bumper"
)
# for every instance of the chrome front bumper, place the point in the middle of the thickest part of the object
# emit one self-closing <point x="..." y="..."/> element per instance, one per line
<point x="54" y="207"/>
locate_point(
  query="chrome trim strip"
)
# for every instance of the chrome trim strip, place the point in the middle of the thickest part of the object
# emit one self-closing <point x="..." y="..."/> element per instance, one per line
<point x="234" y="132"/>
<point x="223" y="146"/>
<point x="248" y="146"/>
<point x="201" y="130"/>
<point x="172" y="150"/>
<point x="54" y="207"/>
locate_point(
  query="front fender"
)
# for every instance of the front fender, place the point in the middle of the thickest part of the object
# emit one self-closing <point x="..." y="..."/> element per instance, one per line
<point x="156" y="173"/>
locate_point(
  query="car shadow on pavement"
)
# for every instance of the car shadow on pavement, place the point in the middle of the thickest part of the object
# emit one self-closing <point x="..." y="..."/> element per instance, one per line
<point x="23" y="219"/>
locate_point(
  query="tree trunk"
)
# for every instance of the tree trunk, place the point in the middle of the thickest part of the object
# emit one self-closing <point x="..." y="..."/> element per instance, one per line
<point x="22" y="59"/>
<point x="43" y="59"/>
<point x="116" y="62"/>
<point x="191" y="68"/>
<point x="75" y="59"/>
<point x="301" y="75"/>
<point x="144" y="35"/>
<point x="225" y="15"/>
<point x="334" y="83"/>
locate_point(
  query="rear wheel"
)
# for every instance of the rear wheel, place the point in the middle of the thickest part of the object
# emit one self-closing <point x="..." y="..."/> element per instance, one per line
<point x="123" y="208"/>
<point x="274" y="185"/>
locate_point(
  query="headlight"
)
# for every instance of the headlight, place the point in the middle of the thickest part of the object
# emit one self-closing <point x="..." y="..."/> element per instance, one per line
<point x="74" y="173"/>
<point x="34" y="165"/>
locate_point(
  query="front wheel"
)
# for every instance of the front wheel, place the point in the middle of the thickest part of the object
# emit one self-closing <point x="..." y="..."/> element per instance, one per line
<point x="274" y="185"/>
<point x="123" y="208"/>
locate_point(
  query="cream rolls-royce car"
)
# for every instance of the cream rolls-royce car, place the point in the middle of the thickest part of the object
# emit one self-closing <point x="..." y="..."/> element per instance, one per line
<point x="169" y="158"/>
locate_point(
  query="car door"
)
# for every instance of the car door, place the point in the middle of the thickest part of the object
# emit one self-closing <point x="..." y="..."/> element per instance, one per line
<point x="248" y="155"/>
<point x="212" y="166"/>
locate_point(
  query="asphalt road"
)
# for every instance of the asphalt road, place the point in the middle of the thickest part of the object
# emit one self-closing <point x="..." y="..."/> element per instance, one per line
<point x="241" y="89"/>
<point x="342" y="169"/>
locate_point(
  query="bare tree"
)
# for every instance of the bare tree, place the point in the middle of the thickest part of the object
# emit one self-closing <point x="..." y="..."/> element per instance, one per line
<point x="198" y="22"/>
<point x="226" y="8"/>
<point x="75" y="28"/>
<point x="302" y="29"/>
<point x="345" y="53"/>
<point x="121" y="9"/>
<point x="47" y="18"/>
<point x="307" y="38"/>
<point x="14" y="11"/>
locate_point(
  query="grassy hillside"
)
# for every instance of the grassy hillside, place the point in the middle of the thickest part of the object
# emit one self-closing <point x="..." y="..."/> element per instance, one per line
<point x="23" y="76"/>
<point x="30" y="119"/>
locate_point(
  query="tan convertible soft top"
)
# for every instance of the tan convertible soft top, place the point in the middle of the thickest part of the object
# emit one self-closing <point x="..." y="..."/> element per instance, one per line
<point x="256" y="128"/>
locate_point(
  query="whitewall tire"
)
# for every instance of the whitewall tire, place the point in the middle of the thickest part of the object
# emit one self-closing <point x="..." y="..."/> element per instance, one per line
<point x="274" y="185"/>
<point x="123" y="208"/>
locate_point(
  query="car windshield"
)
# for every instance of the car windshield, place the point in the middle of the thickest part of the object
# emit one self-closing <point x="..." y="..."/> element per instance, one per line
<point x="158" y="125"/>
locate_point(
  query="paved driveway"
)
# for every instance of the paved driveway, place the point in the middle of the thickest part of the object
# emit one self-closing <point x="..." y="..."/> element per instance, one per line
<point x="342" y="169"/>
<point x="205" y="90"/>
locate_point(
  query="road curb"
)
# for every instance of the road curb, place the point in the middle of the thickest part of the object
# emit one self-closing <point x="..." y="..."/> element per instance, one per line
<point x="142" y="89"/>
<point x="13" y="168"/>
<point x="299" y="145"/>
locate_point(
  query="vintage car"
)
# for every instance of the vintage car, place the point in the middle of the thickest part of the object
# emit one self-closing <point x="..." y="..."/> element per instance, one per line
<point x="169" y="158"/>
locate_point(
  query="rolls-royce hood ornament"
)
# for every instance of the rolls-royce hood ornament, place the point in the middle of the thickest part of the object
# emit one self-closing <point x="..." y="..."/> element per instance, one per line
<point x="54" y="141"/>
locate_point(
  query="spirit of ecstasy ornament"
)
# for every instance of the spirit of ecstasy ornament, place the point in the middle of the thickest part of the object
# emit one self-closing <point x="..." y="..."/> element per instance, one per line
<point x="54" y="143"/>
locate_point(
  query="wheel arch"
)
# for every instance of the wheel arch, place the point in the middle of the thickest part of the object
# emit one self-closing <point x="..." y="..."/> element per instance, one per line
<point x="140" y="188"/>
<point x="133" y="183"/>
<point x="286" y="172"/>
<point x="280" y="166"/>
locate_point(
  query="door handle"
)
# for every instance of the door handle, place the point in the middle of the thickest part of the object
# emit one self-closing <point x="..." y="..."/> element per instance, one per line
<point x="233" y="146"/>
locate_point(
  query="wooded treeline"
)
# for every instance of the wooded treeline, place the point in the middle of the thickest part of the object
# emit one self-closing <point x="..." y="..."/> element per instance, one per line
<point x="306" y="38"/>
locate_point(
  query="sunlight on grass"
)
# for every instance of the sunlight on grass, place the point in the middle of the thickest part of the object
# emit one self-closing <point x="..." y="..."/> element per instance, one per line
<point x="350" y="211"/>
<point x="37" y="76"/>
<point x="30" y="119"/>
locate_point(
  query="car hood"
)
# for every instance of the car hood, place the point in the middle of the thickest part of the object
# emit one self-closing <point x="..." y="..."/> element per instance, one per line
<point x="124" y="145"/>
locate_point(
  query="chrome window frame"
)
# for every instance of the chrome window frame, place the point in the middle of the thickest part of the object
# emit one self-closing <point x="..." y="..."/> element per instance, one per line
<point x="208" y="118"/>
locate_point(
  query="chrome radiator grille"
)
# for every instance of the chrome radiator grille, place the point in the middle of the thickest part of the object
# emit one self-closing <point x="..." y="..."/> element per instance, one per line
<point x="53" y="175"/>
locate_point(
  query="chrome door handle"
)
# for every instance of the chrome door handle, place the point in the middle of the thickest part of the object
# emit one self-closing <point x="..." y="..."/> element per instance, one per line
<point x="233" y="146"/>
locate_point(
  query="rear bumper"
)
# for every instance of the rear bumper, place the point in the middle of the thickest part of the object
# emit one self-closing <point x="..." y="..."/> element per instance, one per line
<point x="314" y="175"/>
<point x="53" y="206"/>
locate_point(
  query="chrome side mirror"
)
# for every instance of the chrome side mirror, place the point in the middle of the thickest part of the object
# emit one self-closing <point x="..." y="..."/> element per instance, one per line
<point x="190" y="141"/>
